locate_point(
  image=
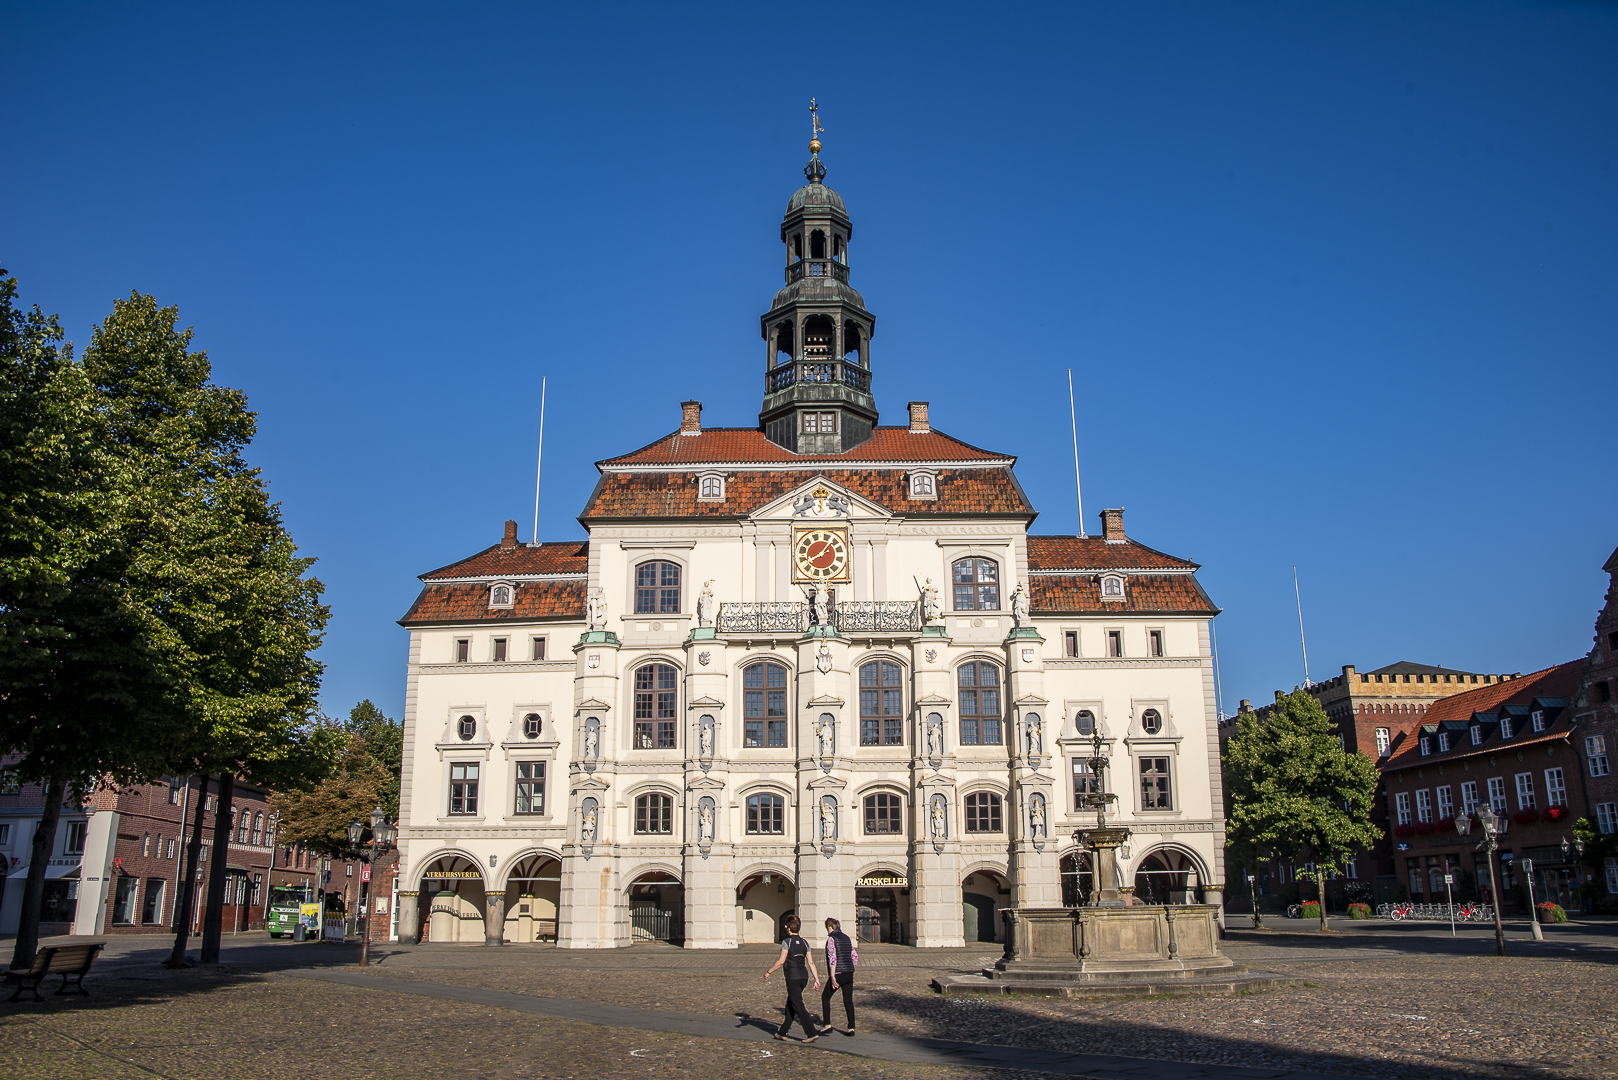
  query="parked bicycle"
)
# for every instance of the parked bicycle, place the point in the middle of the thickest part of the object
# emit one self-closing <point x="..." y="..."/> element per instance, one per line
<point x="1466" y="912"/>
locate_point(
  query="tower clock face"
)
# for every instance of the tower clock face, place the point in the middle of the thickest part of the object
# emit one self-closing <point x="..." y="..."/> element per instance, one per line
<point x="820" y="555"/>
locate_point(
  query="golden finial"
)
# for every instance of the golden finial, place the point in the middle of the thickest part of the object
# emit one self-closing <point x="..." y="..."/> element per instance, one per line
<point x="815" y="130"/>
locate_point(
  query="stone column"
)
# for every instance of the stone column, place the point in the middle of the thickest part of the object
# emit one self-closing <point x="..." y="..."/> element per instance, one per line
<point x="409" y="919"/>
<point x="1215" y="894"/>
<point x="494" y="918"/>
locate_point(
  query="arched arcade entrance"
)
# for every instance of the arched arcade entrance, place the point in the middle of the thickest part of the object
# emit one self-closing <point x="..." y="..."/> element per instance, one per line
<point x="452" y="901"/>
<point x="1167" y="876"/>
<point x="763" y="901"/>
<point x="984" y="894"/>
<point x="657" y="907"/>
<point x="533" y="896"/>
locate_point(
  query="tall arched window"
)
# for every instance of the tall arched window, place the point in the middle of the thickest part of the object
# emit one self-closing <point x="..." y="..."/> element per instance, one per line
<point x="979" y="690"/>
<point x="656" y="694"/>
<point x="764" y="705"/>
<point x="977" y="585"/>
<point x="884" y="813"/>
<point x="881" y="704"/>
<point x="983" y="812"/>
<point x="258" y="829"/>
<point x="243" y="825"/>
<point x="657" y="588"/>
<point x="765" y="814"/>
<point x="654" y="813"/>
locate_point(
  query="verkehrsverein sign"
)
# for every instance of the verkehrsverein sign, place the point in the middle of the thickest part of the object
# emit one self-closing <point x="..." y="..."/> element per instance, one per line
<point x="878" y="881"/>
<point x="436" y="874"/>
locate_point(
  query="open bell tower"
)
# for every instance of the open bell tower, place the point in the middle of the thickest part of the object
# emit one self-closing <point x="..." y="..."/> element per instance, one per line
<point x="817" y="333"/>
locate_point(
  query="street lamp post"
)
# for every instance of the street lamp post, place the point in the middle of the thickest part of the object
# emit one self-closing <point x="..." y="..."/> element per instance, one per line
<point x="1494" y="826"/>
<point x="382" y="836"/>
<point x="1574" y="851"/>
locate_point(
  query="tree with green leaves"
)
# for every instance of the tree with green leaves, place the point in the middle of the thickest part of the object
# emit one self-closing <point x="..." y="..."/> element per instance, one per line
<point x="1291" y="788"/>
<point x="235" y="616"/>
<point x="384" y="742"/>
<point x="84" y="694"/>
<point x="319" y="817"/>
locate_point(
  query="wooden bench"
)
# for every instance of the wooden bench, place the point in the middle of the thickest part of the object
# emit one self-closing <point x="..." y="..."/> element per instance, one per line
<point x="68" y="961"/>
<point x="544" y="929"/>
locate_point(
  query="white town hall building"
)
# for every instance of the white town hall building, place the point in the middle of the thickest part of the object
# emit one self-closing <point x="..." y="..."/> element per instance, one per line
<point x="815" y="666"/>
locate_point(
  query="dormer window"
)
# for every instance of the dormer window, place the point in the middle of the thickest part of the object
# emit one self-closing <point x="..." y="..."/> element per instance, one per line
<point x="923" y="485"/>
<point x="1443" y="741"/>
<point x="500" y="594"/>
<point x="1112" y="587"/>
<point x="1538" y="719"/>
<point x="1505" y="727"/>
<point x="711" y="487"/>
<point x="1426" y="746"/>
<point x="1477" y="734"/>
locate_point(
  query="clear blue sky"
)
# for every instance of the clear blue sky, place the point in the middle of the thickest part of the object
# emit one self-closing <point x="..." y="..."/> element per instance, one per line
<point x="1336" y="281"/>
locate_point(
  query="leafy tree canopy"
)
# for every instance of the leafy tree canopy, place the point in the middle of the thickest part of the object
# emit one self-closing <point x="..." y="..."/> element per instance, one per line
<point x="319" y="817"/>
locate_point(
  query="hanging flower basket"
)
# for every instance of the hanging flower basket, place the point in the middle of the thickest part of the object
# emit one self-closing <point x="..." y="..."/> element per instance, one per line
<point x="1555" y="813"/>
<point x="1525" y="817"/>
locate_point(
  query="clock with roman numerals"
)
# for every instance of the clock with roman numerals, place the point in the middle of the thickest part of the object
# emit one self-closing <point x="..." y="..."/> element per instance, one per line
<point x="820" y="555"/>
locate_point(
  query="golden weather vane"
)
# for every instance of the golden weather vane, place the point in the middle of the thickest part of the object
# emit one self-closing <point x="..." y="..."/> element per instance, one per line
<point x="815" y="130"/>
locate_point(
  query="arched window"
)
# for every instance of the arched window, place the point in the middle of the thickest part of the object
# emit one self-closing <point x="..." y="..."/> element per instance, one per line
<point x="881" y="704"/>
<point x="851" y="343"/>
<point x="764" y="705"/>
<point x="977" y="585"/>
<point x="258" y="829"/>
<point x="711" y="487"/>
<point x="1084" y="722"/>
<point x="654" y="814"/>
<point x="884" y="813"/>
<point x="656" y="688"/>
<point x="837" y="247"/>
<point x="243" y="825"/>
<point x="817" y="245"/>
<point x="983" y="812"/>
<point x="1151" y="721"/>
<point x="466" y="727"/>
<point x="657" y="588"/>
<point x="765" y="814"/>
<point x="797" y="245"/>
<point x="500" y="596"/>
<point x="979" y="689"/>
<point x="1076" y="880"/>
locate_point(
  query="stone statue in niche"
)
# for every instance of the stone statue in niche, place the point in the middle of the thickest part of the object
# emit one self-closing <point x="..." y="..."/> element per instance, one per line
<point x="1036" y="816"/>
<point x="587" y="823"/>
<point x="1019" y="604"/>
<point x="592" y="738"/>
<point x="935" y="737"/>
<point x="1035" y="735"/>
<point x="931" y="610"/>
<point x="817" y="605"/>
<point x="828" y="819"/>
<point x="707" y="607"/>
<point x="705" y="821"/>
<point x="597" y="608"/>
<point x="705" y="737"/>
<point x="940" y="822"/>
<point x="826" y="734"/>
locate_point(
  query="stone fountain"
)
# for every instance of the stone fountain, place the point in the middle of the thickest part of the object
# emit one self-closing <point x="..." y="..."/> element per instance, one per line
<point x="1111" y="946"/>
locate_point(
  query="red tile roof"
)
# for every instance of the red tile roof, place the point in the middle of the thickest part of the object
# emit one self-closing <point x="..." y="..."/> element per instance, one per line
<point x="1143" y="593"/>
<point x="1094" y="553"/>
<point x="749" y="446"/>
<point x="1561" y="681"/>
<point x="470" y="603"/>
<point x="568" y="557"/>
<point x="674" y="494"/>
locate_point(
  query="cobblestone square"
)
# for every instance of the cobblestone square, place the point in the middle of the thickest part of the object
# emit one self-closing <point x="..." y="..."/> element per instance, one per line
<point x="1380" y="1000"/>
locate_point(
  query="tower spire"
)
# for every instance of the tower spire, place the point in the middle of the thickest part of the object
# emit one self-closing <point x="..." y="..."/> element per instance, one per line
<point x="815" y="172"/>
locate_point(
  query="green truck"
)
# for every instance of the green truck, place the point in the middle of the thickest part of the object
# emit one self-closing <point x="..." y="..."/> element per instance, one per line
<point x="286" y="905"/>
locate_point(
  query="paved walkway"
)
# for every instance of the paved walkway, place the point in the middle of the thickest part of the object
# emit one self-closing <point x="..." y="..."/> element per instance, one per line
<point x="893" y="1048"/>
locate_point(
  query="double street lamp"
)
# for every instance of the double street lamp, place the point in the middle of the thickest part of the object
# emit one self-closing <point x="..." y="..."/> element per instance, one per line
<point x="382" y="837"/>
<point x="1494" y="827"/>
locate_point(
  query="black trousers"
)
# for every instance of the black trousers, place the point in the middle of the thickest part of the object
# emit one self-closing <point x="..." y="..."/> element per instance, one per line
<point x="794" y="1007"/>
<point x="845" y="983"/>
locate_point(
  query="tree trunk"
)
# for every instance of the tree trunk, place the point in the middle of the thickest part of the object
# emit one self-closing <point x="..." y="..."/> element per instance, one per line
<point x="188" y="892"/>
<point x="1320" y="887"/>
<point x="33" y="891"/>
<point x="217" y="879"/>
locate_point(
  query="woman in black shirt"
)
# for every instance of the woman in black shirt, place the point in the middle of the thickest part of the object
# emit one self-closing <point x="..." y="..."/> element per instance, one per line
<point x="799" y="960"/>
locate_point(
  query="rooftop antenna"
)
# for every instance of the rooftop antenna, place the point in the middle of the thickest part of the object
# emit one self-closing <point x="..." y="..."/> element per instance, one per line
<point x="539" y="459"/>
<point x="1073" y="416"/>
<point x="1301" y="643"/>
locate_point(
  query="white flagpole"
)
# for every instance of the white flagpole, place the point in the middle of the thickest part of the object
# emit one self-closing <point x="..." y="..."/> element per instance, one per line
<point x="1073" y="416"/>
<point x="539" y="459"/>
<point x="1304" y="645"/>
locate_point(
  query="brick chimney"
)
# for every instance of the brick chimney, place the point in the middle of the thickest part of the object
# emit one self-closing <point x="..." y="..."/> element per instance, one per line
<point x="690" y="418"/>
<point x="509" y="541"/>
<point x="1112" y="526"/>
<point x="918" y="416"/>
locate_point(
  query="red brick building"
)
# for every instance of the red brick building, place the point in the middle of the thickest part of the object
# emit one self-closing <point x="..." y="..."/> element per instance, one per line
<point x="1596" y="740"/>
<point x="1510" y="746"/>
